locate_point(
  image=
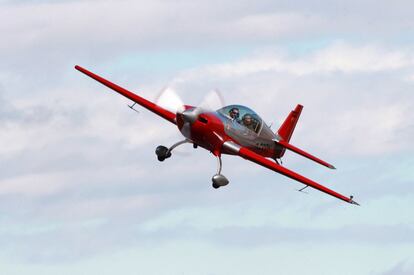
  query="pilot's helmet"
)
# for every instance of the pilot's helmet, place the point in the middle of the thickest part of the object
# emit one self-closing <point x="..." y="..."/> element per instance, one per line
<point x="234" y="113"/>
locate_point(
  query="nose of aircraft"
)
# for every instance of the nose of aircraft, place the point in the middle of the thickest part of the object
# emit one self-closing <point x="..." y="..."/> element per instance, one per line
<point x="185" y="119"/>
<point x="189" y="115"/>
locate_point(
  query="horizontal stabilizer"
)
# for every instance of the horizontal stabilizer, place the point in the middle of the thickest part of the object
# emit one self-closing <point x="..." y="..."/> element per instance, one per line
<point x="303" y="153"/>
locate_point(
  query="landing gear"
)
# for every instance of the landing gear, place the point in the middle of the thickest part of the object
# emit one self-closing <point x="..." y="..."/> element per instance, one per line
<point x="163" y="152"/>
<point x="218" y="179"/>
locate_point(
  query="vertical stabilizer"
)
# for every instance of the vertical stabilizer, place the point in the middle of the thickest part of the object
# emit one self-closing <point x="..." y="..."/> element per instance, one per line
<point x="286" y="130"/>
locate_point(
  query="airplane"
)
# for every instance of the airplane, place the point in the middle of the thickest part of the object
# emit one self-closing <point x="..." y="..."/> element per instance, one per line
<point x="233" y="130"/>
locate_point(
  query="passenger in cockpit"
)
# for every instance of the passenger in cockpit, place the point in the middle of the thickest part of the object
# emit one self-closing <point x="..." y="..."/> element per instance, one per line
<point x="248" y="122"/>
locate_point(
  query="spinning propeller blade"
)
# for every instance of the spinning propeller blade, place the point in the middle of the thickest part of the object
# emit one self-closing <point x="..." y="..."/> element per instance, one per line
<point x="212" y="101"/>
<point x="169" y="99"/>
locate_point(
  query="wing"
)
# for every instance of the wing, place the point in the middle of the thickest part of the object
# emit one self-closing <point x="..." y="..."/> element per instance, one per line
<point x="303" y="153"/>
<point x="136" y="98"/>
<point x="256" y="158"/>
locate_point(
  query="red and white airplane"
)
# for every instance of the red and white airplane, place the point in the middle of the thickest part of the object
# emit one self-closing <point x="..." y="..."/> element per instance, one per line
<point x="233" y="130"/>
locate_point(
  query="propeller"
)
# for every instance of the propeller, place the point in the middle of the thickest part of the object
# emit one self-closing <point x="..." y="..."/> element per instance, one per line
<point x="169" y="99"/>
<point x="212" y="101"/>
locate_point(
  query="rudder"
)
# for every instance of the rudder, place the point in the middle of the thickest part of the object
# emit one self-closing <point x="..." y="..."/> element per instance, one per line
<point x="286" y="130"/>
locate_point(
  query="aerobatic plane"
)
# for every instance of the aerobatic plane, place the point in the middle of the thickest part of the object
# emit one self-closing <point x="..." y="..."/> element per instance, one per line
<point x="234" y="130"/>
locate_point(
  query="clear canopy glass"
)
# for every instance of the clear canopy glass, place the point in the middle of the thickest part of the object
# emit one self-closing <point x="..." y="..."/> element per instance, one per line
<point x="242" y="115"/>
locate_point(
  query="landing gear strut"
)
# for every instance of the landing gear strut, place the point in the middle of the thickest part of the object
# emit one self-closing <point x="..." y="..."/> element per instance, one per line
<point x="163" y="152"/>
<point x="218" y="179"/>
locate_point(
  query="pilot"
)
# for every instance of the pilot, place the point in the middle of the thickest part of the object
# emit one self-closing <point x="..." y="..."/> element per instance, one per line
<point x="234" y="113"/>
<point x="248" y="121"/>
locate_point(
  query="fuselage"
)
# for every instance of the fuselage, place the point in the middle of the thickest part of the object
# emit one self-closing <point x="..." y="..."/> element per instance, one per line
<point x="210" y="129"/>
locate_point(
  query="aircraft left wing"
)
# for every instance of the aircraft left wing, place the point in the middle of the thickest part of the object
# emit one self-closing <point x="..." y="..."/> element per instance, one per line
<point x="136" y="98"/>
<point x="256" y="158"/>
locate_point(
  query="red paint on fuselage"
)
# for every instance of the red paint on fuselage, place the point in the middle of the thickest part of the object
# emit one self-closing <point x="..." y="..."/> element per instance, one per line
<point x="208" y="132"/>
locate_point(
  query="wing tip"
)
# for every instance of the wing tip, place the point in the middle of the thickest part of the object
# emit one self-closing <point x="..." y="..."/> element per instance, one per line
<point x="351" y="201"/>
<point x="332" y="167"/>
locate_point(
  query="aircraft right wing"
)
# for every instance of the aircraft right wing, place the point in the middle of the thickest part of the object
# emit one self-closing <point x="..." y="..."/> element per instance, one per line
<point x="136" y="98"/>
<point x="256" y="158"/>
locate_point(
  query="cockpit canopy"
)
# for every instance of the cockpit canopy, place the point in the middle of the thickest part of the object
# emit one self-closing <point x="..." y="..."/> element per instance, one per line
<point x="243" y="115"/>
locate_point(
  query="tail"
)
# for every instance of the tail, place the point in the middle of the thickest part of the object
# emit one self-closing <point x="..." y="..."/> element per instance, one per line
<point x="286" y="130"/>
<point x="285" y="133"/>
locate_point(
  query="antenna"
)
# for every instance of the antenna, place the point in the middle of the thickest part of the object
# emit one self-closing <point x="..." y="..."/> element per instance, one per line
<point x="132" y="107"/>
<point x="303" y="188"/>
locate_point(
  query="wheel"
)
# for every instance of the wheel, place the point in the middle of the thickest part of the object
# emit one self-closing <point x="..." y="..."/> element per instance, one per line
<point x="219" y="180"/>
<point x="161" y="151"/>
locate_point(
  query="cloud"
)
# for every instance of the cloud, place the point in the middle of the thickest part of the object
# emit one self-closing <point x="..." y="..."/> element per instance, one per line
<point x="401" y="268"/>
<point x="99" y="236"/>
<point x="57" y="36"/>
<point x="342" y="72"/>
<point x="338" y="57"/>
<point x="78" y="174"/>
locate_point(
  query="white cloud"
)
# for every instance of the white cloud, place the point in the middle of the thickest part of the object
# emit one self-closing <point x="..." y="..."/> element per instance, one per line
<point x="358" y="115"/>
<point x="372" y="131"/>
<point x="32" y="185"/>
<point x="350" y="59"/>
<point x="71" y="152"/>
<point x="337" y="57"/>
<point x="401" y="268"/>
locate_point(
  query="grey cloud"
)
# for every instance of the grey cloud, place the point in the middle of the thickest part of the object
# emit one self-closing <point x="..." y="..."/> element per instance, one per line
<point x="49" y="29"/>
<point x="401" y="268"/>
<point x="85" y="177"/>
<point x="345" y="94"/>
<point x="355" y="233"/>
<point x="43" y="48"/>
<point x="29" y="115"/>
<point x="94" y="237"/>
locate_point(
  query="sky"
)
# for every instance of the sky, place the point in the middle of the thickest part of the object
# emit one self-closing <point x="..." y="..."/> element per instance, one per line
<point x="81" y="190"/>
